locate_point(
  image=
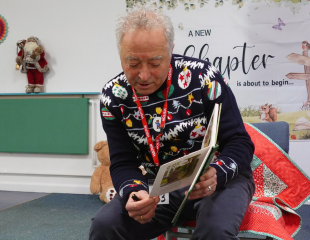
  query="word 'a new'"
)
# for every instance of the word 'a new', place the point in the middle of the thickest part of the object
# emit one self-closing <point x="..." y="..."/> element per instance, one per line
<point x="200" y="33"/>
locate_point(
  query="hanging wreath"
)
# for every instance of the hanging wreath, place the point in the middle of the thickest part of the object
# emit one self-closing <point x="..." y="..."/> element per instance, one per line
<point x="3" y="29"/>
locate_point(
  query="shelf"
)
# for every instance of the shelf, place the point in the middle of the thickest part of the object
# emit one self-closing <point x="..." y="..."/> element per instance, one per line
<point x="54" y="95"/>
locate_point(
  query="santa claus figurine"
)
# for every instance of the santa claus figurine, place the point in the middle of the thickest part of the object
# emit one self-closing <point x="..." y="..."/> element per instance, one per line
<point x="31" y="58"/>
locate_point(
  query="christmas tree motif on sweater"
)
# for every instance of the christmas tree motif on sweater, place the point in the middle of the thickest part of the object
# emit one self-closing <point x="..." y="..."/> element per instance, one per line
<point x="107" y="114"/>
<point x="185" y="78"/>
<point x="127" y="120"/>
<point x="119" y="91"/>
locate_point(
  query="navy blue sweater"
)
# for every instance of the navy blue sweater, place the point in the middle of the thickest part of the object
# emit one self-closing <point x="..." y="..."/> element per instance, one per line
<point x="196" y="86"/>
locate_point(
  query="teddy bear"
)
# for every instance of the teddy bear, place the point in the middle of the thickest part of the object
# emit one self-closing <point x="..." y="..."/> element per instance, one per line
<point x="101" y="181"/>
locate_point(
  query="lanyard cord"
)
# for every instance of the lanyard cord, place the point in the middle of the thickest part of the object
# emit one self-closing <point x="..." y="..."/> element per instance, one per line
<point x="154" y="151"/>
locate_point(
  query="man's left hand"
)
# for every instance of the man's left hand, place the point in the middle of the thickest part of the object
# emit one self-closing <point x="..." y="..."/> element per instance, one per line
<point x="206" y="185"/>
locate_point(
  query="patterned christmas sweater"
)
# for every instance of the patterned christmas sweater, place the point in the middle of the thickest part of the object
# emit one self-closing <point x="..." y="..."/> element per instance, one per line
<point x="195" y="87"/>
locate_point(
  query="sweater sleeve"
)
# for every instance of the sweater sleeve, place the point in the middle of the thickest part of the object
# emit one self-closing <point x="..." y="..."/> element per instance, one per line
<point x="125" y="173"/>
<point x="235" y="145"/>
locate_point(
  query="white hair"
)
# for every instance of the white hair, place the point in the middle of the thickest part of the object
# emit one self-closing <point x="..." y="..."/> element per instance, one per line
<point x="144" y="17"/>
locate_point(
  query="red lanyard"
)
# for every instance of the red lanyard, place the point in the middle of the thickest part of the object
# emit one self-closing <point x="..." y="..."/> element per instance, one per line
<point x="162" y="123"/>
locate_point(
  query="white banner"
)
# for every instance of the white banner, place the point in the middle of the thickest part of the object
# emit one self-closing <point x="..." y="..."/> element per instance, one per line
<point x="261" y="49"/>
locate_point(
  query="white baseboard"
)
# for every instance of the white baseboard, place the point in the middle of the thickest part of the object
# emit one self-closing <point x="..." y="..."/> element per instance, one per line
<point x="48" y="184"/>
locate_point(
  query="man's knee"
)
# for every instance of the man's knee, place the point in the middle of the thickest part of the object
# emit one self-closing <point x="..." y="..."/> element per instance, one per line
<point x="99" y="227"/>
<point x="107" y="223"/>
<point x="213" y="230"/>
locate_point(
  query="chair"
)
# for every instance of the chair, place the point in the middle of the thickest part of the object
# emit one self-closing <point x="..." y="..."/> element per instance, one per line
<point x="279" y="133"/>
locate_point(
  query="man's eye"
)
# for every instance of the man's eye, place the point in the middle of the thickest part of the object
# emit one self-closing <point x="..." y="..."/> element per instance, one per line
<point x="155" y="65"/>
<point x="133" y="65"/>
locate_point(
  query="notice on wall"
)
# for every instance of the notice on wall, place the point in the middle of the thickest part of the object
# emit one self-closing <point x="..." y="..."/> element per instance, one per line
<point x="261" y="48"/>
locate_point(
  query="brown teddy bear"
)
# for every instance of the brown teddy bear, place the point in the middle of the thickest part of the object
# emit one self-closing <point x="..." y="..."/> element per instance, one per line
<point x="101" y="181"/>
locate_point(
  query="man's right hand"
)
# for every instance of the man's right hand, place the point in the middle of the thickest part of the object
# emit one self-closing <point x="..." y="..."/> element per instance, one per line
<point x="144" y="210"/>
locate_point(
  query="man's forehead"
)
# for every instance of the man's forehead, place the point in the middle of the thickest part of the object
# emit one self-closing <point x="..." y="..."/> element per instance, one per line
<point x="158" y="57"/>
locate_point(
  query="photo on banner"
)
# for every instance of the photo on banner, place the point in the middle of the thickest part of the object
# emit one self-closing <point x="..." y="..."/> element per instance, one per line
<point x="261" y="48"/>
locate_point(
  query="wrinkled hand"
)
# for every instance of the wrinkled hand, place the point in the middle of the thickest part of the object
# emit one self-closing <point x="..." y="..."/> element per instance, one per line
<point x="145" y="207"/>
<point x="201" y="189"/>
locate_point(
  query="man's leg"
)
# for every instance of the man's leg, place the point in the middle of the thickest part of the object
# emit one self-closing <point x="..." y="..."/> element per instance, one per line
<point x="113" y="222"/>
<point x="220" y="215"/>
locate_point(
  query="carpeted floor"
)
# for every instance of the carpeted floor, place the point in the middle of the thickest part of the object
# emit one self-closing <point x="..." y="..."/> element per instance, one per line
<point x="68" y="217"/>
<point x="53" y="217"/>
<point x="10" y="198"/>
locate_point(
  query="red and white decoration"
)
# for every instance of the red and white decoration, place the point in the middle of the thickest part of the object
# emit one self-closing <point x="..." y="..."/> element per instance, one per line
<point x="185" y="78"/>
<point x="199" y="131"/>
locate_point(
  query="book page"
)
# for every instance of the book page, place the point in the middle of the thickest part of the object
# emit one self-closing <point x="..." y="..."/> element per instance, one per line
<point x="178" y="173"/>
<point x="210" y="136"/>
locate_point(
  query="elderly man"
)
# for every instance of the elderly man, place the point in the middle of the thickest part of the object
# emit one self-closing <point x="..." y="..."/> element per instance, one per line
<point x="179" y="92"/>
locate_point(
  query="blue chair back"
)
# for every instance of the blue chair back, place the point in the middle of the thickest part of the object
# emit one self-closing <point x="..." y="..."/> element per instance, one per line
<point x="277" y="131"/>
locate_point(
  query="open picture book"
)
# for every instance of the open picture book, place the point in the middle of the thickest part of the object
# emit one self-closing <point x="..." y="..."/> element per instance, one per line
<point x="185" y="171"/>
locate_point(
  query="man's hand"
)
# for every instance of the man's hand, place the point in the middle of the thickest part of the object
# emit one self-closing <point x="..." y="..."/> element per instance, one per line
<point x="206" y="185"/>
<point x="144" y="210"/>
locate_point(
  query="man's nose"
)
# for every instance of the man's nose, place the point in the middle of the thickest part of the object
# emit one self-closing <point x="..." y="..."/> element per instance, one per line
<point x="144" y="73"/>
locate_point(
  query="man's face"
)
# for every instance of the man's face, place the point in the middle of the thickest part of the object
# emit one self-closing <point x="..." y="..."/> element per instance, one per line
<point x="145" y="59"/>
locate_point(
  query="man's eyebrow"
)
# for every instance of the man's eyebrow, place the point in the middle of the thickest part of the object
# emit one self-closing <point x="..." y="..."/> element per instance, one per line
<point x="134" y="58"/>
<point x="156" y="58"/>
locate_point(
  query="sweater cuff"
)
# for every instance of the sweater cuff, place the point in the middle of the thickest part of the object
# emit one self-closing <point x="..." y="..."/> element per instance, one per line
<point x="130" y="186"/>
<point x="226" y="170"/>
